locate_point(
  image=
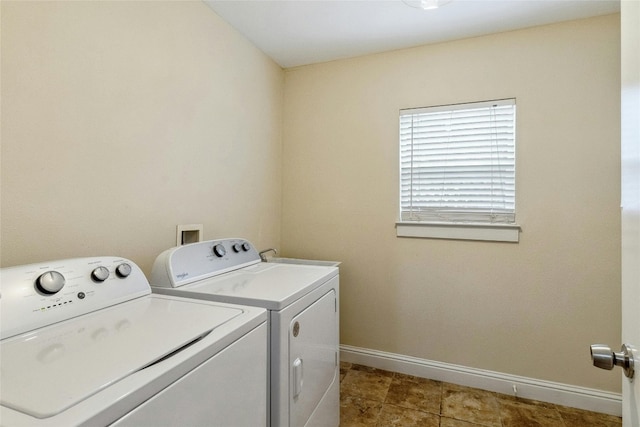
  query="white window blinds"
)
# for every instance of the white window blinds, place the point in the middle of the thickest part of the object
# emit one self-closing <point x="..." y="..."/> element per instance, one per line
<point x="457" y="163"/>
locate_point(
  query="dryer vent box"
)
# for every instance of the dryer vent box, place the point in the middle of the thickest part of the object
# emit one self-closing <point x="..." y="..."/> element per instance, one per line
<point x="188" y="233"/>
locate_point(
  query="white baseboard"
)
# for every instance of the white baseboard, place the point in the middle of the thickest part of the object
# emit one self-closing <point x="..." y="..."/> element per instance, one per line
<point x="528" y="388"/>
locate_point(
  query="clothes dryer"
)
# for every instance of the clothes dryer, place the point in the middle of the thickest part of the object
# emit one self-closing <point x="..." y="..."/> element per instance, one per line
<point x="84" y="342"/>
<point x="303" y="306"/>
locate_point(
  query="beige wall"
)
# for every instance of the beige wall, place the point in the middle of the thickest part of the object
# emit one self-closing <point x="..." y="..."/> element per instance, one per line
<point x="529" y="309"/>
<point x="121" y="120"/>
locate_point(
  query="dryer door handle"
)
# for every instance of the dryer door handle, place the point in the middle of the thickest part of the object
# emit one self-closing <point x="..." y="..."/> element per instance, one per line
<point x="298" y="377"/>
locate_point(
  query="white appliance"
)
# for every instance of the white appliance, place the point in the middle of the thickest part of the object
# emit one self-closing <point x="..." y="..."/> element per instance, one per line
<point x="86" y="343"/>
<point x="302" y="301"/>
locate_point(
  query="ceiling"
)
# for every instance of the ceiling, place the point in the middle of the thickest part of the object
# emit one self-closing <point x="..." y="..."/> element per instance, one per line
<point x="301" y="32"/>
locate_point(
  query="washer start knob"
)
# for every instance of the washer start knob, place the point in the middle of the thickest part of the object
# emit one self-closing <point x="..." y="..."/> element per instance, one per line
<point x="50" y="282"/>
<point x="219" y="251"/>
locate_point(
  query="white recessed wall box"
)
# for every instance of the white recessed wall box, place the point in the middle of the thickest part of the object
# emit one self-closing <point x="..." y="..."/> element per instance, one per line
<point x="189" y="233"/>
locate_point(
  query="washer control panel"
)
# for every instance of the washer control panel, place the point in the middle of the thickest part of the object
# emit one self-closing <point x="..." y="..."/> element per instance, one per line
<point x="36" y="295"/>
<point x="185" y="264"/>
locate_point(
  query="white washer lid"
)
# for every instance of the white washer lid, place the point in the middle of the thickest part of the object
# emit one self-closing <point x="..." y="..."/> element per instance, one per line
<point x="51" y="369"/>
<point x="271" y="286"/>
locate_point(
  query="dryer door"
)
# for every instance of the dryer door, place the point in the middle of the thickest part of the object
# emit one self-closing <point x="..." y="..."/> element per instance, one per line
<point x="313" y="356"/>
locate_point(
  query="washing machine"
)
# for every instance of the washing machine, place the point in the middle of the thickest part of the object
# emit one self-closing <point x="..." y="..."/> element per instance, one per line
<point x="303" y="308"/>
<point x="84" y="342"/>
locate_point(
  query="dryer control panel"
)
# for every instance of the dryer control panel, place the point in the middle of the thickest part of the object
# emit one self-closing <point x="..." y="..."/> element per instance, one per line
<point x="178" y="266"/>
<point x="37" y="295"/>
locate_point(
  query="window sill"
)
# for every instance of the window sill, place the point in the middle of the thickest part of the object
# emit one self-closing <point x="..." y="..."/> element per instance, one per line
<point x="445" y="230"/>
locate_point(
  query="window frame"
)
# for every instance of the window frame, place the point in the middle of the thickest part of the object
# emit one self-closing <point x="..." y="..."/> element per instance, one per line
<point x="505" y="229"/>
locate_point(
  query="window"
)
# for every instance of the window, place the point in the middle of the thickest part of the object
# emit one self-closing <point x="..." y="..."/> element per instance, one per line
<point x="457" y="169"/>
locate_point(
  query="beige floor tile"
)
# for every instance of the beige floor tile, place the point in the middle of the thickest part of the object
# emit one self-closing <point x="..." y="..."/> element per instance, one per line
<point x="576" y="418"/>
<point x="472" y="405"/>
<point x="344" y="368"/>
<point x="536" y="403"/>
<point x="345" y="365"/>
<point x="516" y="413"/>
<point x="357" y="412"/>
<point x="366" y="385"/>
<point x="415" y="393"/>
<point x="391" y="415"/>
<point x="375" y="397"/>
<point x="450" y="422"/>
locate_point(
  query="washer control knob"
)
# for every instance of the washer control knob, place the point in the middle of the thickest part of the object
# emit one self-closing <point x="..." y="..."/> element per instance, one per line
<point x="219" y="250"/>
<point x="123" y="270"/>
<point x="237" y="247"/>
<point x="246" y="247"/>
<point x="100" y="274"/>
<point x="50" y="282"/>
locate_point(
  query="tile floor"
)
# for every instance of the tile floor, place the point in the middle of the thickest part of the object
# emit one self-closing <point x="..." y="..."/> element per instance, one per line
<point x="373" y="397"/>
